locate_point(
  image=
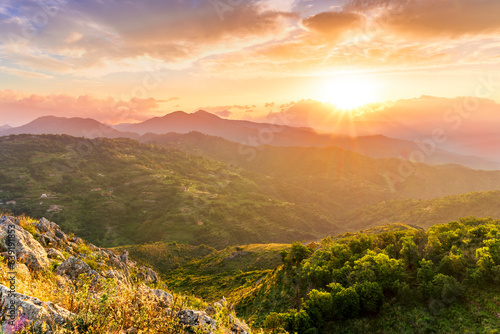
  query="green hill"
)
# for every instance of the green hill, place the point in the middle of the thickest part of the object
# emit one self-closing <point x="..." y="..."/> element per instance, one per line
<point x="425" y="213"/>
<point x="117" y="191"/>
<point x="394" y="278"/>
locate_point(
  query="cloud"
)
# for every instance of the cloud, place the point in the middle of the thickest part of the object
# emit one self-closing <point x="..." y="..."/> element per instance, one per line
<point x="16" y="107"/>
<point x="432" y="19"/>
<point x="91" y="36"/>
<point x="22" y="73"/>
<point x="332" y="25"/>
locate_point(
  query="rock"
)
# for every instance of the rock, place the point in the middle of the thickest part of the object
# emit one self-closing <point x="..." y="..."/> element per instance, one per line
<point x="164" y="298"/>
<point x="147" y="275"/>
<point x="10" y="220"/>
<point x="218" y="305"/>
<point x="124" y="257"/>
<point x="238" y="327"/>
<point x="94" y="248"/>
<point x="23" y="245"/>
<point x="196" y="319"/>
<point x="46" y="240"/>
<point x="55" y="254"/>
<point x="44" y="225"/>
<point x="32" y="309"/>
<point x="61" y="236"/>
<point x="118" y="275"/>
<point x="73" y="267"/>
<point x="76" y="240"/>
<point x="210" y="310"/>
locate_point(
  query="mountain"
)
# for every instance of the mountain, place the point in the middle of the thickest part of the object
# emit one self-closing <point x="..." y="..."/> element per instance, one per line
<point x="425" y="213"/>
<point x="5" y="127"/>
<point x="118" y="191"/>
<point x="76" y="127"/>
<point x="351" y="178"/>
<point x="376" y="146"/>
<point x="251" y="134"/>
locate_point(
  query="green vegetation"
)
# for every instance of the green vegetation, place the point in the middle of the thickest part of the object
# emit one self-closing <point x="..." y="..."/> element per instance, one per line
<point x="117" y="191"/>
<point x="425" y="213"/>
<point x="443" y="280"/>
<point x="395" y="278"/>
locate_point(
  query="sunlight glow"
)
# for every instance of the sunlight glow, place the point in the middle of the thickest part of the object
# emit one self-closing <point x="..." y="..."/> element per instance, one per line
<point x="348" y="92"/>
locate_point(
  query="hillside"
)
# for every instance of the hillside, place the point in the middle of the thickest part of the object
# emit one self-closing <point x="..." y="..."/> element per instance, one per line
<point x="390" y="279"/>
<point x="350" y="178"/>
<point x="120" y="192"/>
<point x="425" y="213"/>
<point x="66" y="285"/>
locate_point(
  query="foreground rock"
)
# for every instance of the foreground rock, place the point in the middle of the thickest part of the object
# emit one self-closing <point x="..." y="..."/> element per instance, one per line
<point x="73" y="267"/>
<point x="197" y="319"/>
<point x="27" y="250"/>
<point x="32" y="311"/>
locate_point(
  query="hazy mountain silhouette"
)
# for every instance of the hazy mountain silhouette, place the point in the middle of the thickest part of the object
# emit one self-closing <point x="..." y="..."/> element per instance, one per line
<point x="76" y="127"/>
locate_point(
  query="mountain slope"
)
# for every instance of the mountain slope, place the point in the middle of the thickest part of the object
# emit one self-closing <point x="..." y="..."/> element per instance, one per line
<point x="66" y="285"/>
<point x="425" y="213"/>
<point x="118" y="191"/>
<point x="76" y="127"/>
<point x="331" y="170"/>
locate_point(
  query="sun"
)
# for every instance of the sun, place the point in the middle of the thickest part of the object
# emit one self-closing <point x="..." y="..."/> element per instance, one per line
<point x="348" y="92"/>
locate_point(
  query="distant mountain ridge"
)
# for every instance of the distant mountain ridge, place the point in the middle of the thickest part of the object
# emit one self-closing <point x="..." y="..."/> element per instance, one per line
<point x="247" y="133"/>
<point x="76" y="127"/>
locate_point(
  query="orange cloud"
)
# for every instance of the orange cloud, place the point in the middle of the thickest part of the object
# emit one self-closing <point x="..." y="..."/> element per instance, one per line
<point x="435" y="18"/>
<point x="17" y="108"/>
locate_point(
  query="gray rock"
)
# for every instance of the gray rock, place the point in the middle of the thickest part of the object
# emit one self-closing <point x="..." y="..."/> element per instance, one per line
<point x="197" y="319"/>
<point x="55" y="254"/>
<point x="210" y="310"/>
<point x="10" y="220"/>
<point x="147" y="275"/>
<point x="33" y="309"/>
<point x="73" y="267"/>
<point x="124" y="257"/>
<point x="120" y="276"/>
<point x="27" y="250"/>
<point x="164" y="298"/>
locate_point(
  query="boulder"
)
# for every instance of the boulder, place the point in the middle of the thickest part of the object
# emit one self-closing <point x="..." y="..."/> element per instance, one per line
<point x="147" y="275"/>
<point x="120" y="276"/>
<point x="73" y="267"/>
<point x="26" y="249"/>
<point x="197" y="319"/>
<point x="31" y="310"/>
<point x="124" y="257"/>
<point x="55" y="254"/>
<point x="164" y="298"/>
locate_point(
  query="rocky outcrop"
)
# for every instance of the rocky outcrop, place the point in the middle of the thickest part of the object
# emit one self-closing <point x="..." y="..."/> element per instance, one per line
<point x="120" y="276"/>
<point x="54" y="254"/>
<point x="26" y="249"/>
<point x="197" y="319"/>
<point x="160" y="296"/>
<point x="147" y="275"/>
<point x="31" y="310"/>
<point x="51" y="234"/>
<point x="73" y="267"/>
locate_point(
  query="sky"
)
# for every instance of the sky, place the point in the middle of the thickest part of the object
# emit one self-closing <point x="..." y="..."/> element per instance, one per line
<point x="126" y="61"/>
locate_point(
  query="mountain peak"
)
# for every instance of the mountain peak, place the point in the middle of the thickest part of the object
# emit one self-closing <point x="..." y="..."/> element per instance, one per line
<point x="205" y="114"/>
